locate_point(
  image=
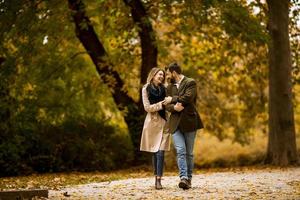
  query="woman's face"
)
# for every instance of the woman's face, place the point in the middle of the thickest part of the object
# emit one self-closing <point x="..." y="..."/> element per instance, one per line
<point x="159" y="77"/>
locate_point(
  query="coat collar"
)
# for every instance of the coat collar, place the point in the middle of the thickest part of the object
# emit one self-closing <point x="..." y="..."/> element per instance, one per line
<point x="182" y="83"/>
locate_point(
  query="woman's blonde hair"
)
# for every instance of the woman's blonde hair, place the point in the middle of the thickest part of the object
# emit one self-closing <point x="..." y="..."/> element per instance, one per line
<point x="153" y="72"/>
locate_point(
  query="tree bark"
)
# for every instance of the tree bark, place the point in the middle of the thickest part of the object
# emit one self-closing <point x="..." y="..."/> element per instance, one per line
<point x="147" y="36"/>
<point x="282" y="142"/>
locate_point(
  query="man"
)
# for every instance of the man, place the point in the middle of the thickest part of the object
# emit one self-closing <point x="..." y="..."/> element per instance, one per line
<point x="184" y="120"/>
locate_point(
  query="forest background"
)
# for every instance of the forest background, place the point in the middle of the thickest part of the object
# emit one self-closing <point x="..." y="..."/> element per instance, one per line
<point x="71" y="74"/>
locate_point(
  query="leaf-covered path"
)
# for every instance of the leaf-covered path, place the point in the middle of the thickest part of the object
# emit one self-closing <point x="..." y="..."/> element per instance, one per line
<point x="250" y="184"/>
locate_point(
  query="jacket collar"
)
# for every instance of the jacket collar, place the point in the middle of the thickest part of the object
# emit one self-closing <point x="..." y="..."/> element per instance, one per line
<point x="181" y="83"/>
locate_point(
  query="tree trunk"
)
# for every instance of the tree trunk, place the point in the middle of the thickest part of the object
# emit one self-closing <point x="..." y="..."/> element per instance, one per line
<point x="147" y="36"/>
<point x="149" y="60"/>
<point x="282" y="142"/>
<point x="88" y="38"/>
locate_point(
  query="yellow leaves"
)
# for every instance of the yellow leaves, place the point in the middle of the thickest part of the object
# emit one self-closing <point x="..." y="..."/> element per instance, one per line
<point x="177" y="21"/>
<point x="210" y="150"/>
<point x="194" y="40"/>
<point x="215" y="75"/>
<point x="57" y="180"/>
<point x="41" y="114"/>
<point x="29" y="87"/>
<point x="201" y="72"/>
<point x="11" y="46"/>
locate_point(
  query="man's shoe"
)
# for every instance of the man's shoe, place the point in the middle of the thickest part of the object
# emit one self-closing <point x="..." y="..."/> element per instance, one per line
<point x="183" y="184"/>
<point x="158" y="185"/>
<point x="189" y="182"/>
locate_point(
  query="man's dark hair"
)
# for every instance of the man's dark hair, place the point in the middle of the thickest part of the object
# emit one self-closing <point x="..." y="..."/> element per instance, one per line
<point x="174" y="67"/>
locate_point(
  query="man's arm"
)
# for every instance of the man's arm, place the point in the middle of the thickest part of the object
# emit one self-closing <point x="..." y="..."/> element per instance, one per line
<point x="189" y="95"/>
<point x="172" y="107"/>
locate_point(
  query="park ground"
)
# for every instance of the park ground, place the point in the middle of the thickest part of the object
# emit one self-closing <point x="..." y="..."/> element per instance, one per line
<point x="137" y="183"/>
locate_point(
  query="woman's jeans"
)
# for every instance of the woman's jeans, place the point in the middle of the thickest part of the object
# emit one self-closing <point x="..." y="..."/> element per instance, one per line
<point x="158" y="162"/>
<point x="184" y="145"/>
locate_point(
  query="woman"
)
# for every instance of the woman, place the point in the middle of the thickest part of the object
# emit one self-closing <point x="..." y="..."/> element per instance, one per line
<point x="153" y="138"/>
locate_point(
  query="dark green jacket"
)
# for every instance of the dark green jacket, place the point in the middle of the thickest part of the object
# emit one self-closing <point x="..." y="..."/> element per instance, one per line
<point x="188" y="119"/>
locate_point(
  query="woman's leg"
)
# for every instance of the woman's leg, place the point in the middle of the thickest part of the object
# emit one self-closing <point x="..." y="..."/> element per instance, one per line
<point x="154" y="162"/>
<point x="160" y="157"/>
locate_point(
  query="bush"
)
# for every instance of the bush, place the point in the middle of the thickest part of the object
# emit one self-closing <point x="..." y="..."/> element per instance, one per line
<point x="11" y="152"/>
<point x="76" y="144"/>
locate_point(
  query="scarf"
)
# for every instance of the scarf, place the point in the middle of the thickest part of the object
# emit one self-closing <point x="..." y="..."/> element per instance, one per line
<point x="155" y="95"/>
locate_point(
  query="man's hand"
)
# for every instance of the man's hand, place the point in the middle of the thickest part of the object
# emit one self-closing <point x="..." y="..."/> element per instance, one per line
<point x="178" y="107"/>
<point x="167" y="100"/>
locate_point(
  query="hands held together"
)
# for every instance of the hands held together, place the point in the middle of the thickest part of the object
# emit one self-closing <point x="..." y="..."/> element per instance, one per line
<point x="178" y="106"/>
<point x="167" y="100"/>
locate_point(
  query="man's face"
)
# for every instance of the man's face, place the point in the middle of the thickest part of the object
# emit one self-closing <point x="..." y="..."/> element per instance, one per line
<point x="170" y="77"/>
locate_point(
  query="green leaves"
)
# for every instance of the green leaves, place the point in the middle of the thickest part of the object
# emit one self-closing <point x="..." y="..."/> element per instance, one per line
<point x="238" y="22"/>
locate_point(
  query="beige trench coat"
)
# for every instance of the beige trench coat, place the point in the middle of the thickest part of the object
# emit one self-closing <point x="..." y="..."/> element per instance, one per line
<point x="154" y="137"/>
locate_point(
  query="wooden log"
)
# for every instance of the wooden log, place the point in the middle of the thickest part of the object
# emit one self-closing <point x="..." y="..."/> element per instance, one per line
<point x="22" y="194"/>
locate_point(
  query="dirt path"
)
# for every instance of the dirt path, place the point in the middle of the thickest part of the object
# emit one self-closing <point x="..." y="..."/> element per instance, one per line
<point x="255" y="184"/>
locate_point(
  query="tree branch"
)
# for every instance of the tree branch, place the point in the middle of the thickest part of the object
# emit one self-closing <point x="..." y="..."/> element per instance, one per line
<point x="89" y="39"/>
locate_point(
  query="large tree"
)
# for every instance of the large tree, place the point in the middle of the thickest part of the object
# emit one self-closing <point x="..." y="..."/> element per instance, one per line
<point x="94" y="47"/>
<point x="282" y="143"/>
<point x="239" y="23"/>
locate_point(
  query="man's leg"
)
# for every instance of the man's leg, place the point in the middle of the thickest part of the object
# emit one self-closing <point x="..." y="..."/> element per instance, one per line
<point x="179" y="144"/>
<point x="189" y="143"/>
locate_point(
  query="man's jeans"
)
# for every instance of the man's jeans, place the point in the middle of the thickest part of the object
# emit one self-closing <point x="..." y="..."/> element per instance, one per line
<point x="184" y="145"/>
<point x="158" y="162"/>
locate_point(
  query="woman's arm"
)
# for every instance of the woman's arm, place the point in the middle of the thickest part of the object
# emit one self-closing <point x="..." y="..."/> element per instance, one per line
<point x="150" y="107"/>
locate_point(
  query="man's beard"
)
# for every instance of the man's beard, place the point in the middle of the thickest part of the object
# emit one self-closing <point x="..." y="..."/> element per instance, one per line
<point x="170" y="80"/>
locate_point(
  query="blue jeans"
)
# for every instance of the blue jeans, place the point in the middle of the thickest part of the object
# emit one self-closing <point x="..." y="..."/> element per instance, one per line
<point x="158" y="163"/>
<point x="184" y="145"/>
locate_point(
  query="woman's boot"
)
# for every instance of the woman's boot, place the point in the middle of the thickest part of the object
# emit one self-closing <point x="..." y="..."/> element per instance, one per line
<point x="158" y="185"/>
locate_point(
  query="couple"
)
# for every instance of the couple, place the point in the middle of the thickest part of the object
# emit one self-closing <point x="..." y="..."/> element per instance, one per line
<point x="179" y="99"/>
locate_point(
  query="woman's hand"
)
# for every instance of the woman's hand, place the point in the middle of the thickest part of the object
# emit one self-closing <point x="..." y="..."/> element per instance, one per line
<point x="167" y="100"/>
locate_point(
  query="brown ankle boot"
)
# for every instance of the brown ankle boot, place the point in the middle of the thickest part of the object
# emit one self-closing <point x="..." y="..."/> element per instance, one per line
<point x="158" y="185"/>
